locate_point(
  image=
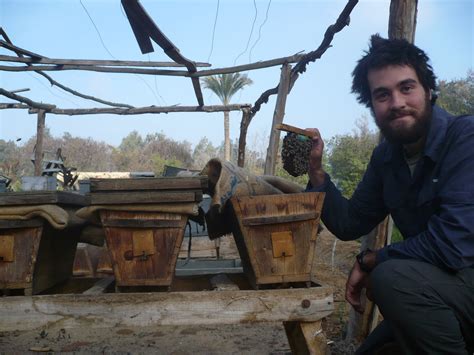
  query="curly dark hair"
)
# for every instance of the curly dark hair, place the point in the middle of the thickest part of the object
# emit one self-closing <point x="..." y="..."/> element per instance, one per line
<point x="383" y="52"/>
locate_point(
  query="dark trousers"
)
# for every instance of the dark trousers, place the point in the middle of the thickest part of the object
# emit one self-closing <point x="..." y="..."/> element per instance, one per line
<point x="427" y="310"/>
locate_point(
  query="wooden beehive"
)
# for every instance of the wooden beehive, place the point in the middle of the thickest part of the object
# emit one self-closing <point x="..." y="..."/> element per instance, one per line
<point x="33" y="255"/>
<point x="276" y="236"/>
<point x="144" y="245"/>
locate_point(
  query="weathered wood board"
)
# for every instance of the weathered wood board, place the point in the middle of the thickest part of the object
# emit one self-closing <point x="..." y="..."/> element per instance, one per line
<point x="42" y="198"/>
<point x="175" y="308"/>
<point x="130" y="197"/>
<point x="162" y="183"/>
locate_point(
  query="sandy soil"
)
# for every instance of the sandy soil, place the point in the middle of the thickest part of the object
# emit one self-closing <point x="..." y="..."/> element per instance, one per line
<point x="268" y="338"/>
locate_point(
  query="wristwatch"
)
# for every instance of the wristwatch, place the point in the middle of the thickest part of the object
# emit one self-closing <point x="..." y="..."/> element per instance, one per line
<point x="360" y="260"/>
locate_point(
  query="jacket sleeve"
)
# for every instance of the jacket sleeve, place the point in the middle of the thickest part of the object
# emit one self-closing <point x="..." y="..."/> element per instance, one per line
<point x="349" y="219"/>
<point x="448" y="241"/>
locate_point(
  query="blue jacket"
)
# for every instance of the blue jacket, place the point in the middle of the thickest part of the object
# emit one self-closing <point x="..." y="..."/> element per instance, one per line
<point x="434" y="209"/>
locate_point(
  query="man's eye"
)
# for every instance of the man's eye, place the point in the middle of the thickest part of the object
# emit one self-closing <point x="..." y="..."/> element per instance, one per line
<point x="381" y="96"/>
<point x="406" y="89"/>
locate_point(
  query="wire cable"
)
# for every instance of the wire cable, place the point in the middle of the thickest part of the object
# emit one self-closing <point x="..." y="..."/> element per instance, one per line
<point x="213" y="32"/>
<point x="251" y="32"/>
<point x="260" y="31"/>
<point x="97" y="30"/>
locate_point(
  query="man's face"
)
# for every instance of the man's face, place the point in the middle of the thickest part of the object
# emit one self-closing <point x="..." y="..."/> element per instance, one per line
<point x="400" y="105"/>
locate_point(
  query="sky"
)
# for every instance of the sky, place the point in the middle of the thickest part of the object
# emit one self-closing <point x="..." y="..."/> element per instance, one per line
<point x="245" y="31"/>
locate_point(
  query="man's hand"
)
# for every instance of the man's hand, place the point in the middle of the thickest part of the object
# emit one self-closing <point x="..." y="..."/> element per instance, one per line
<point x="357" y="280"/>
<point x="316" y="171"/>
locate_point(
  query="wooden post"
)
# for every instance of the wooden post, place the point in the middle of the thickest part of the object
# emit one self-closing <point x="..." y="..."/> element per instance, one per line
<point x="402" y="19"/>
<point x="39" y="142"/>
<point x="402" y="24"/>
<point x="244" y="124"/>
<point x="278" y="115"/>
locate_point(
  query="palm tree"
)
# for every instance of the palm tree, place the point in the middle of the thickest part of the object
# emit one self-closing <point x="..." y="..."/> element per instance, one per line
<point x="225" y="86"/>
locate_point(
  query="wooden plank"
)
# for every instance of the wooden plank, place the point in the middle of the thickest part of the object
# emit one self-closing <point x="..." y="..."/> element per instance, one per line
<point x="117" y="198"/>
<point x="175" y="308"/>
<point x="100" y="286"/>
<point x="306" y="338"/>
<point x="133" y="223"/>
<point x="162" y="183"/>
<point x="18" y="223"/>
<point x="292" y="129"/>
<point x="42" y="197"/>
<point x="256" y="221"/>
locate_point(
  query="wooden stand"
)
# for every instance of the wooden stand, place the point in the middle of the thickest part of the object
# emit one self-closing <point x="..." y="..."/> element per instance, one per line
<point x="189" y="303"/>
<point x="276" y="236"/>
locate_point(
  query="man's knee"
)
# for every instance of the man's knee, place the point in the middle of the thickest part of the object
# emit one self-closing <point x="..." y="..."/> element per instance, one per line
<point x="393" y="277"/>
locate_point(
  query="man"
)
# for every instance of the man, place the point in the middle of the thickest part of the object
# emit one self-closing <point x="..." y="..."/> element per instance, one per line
<point x="423" y="175"/>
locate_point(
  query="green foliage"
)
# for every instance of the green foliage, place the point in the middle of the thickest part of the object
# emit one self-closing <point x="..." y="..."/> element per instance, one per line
<point x="396" y="235"/>
<point x="457" y="96"/>
<point x="349" y="155"/>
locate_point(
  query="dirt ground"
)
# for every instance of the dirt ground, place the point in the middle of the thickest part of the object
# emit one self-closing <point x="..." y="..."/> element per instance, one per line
<point x="259" y="338"/>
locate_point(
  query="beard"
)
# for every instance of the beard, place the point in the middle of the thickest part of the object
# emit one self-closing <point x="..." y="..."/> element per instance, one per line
<point x="404" y="134"/>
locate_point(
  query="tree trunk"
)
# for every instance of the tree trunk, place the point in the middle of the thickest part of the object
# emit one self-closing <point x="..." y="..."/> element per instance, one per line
<point x="226" y="136"/>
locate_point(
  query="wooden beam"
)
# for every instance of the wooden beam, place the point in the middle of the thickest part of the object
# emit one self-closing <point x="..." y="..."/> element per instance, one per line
<point x="25" y="100"/>
<point x="39" y="142"/>
<point x="94" y="69"/>
<point x="95" y="62"/>
<point x="65" y="88"/>
<point x="19" y="51"/>
<point x="163" y="308"/>
<point x="278" y="114"/>
<point x="7" y="105"/>
<point x="250" y="66"/>
<point x="143" y="110"/>
<point x="103" y="68"/>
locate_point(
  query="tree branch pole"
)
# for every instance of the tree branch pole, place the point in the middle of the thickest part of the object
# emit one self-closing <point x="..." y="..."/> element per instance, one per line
<point x="341" y="22"/>
<point x="39" y="142"/>
<point x="278" y="115"/>
<point x="143" y="110"/>
<point x="181" y="73"/>
<point x="18" y="51"/>
<point x="95" y="62"/>
<point x="26" y="100"/>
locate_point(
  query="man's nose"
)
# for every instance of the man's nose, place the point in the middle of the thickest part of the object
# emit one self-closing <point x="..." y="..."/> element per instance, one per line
<point x="398" y="101"/>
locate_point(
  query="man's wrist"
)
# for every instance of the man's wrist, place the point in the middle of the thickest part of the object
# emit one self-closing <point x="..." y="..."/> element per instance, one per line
<point x="317" y="178"/>
<point x="366" y="260"/>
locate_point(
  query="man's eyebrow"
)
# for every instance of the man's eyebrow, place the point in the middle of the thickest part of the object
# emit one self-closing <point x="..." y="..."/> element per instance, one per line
<point x="407" y="81"/>
<point x="401" y="83"/>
